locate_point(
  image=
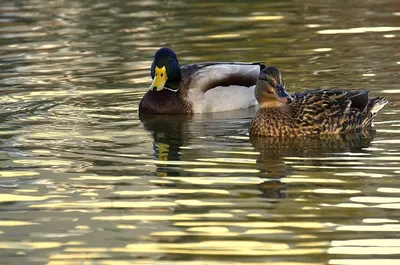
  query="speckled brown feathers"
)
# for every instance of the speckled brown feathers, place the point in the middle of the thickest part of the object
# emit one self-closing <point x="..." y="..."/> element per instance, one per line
<point x="316" y="112"/>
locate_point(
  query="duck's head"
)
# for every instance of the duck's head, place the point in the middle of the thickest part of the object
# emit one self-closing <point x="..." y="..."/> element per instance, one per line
<point x="270" y="88"/>
<point x="165" y="71"/>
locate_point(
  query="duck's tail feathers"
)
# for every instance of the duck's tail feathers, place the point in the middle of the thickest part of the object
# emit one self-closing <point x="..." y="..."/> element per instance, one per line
<point x="376" y="104"/>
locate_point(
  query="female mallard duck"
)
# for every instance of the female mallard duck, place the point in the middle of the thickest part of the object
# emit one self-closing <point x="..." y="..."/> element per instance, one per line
<point x="311" y="112"/>
<point x="198" y="88"/>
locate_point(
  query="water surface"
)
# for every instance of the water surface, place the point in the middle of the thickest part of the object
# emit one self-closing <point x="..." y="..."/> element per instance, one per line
<point x="84" y="181"/>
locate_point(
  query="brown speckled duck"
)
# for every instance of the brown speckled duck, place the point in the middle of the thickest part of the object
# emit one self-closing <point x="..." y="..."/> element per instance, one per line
<point x="312" y="112"/>
<point x="198" y="88"/>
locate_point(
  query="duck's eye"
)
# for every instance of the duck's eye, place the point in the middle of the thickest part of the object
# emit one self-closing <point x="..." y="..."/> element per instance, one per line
<point x="169" y="59"/>
<point x="162" y="75"/>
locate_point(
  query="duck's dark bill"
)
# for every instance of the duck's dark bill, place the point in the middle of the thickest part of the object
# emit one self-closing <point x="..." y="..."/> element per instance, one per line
<point x="283" y="96"/>
<point x="160" y="78"/>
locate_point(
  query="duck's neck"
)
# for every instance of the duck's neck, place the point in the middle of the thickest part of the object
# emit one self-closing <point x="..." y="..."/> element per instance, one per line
<point x="271" y="104"/>
<point x="176" y="90"/>
<point x="172" y="85"/>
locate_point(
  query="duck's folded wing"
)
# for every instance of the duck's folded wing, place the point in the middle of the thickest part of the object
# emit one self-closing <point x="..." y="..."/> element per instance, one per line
<point x="317" y="107"/>
<point x="358" y="98"/>
<point x="206" y="76"/>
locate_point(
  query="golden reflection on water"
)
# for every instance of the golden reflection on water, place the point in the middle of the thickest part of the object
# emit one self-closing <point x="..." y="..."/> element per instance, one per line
<point x="164" y="217"/>
<point x="15" y="223"/>
<point x="381" y="250"/>
<point x="29" y="245"/>
<point x="364" y="261"/>
<point x="177" y="262"/>
<point x="251" y="18"/>
<point x="222" y="170"/>
<point x="215" y="247"/>
<point x="213" y="180"/>
<point x="296" y="179"/>
<point x="84" y="180"/>
<point x="16" y="198"/>
<point x="308" y="225"/>
<point x="12" y="174"/>
<point x="126" y="227"/>
<point x="388" y="190"/>
<point x="99" y="205"/>
<point x="378" y="220"/>
<point x="366" y="228"/>
<point x="375" y="199"/>
<point x="358" y="30"/>
<point x="335" y="191"/>
<point x="170" y="191"/>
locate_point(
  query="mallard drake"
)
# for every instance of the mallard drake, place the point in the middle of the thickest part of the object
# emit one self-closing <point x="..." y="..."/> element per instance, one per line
<point x="198" y="88"/>
<point x="312" y="112"/>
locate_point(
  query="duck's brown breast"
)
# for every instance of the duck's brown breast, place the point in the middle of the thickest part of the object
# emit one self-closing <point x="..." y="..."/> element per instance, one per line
<point x="164" y="102"/>
<point x="274" y="122"/>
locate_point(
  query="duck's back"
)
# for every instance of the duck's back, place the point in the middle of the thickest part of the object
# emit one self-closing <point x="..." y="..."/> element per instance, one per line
<point x="215" y="87"/>
<point x="324" y="111"/>
<point x="335" y="111"/>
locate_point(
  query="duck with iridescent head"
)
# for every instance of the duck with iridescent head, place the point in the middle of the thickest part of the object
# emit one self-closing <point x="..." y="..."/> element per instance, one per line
<point x="311" y="112"/>
<point x="200" y="87"/>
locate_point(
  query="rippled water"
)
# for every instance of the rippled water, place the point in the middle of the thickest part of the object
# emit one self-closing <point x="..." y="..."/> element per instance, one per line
<point x="84" y="181"/>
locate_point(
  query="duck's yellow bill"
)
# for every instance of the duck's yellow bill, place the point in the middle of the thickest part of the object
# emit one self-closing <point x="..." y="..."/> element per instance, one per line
<point x="160" y="78"/>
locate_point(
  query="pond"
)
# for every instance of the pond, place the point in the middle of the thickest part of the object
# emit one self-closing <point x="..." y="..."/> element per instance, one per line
<point x="84" y="181"/>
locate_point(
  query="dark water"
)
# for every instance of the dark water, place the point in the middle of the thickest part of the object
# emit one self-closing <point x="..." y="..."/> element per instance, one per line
<point x="84" y="181"/>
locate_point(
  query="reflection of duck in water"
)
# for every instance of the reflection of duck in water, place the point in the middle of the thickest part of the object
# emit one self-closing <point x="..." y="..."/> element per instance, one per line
<point x="274" y="150"/>
<point x="198" y="88"/>
<point x="171" y="132"/>
<point x="169" y="135"/>
<point x="312" y="112"/>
